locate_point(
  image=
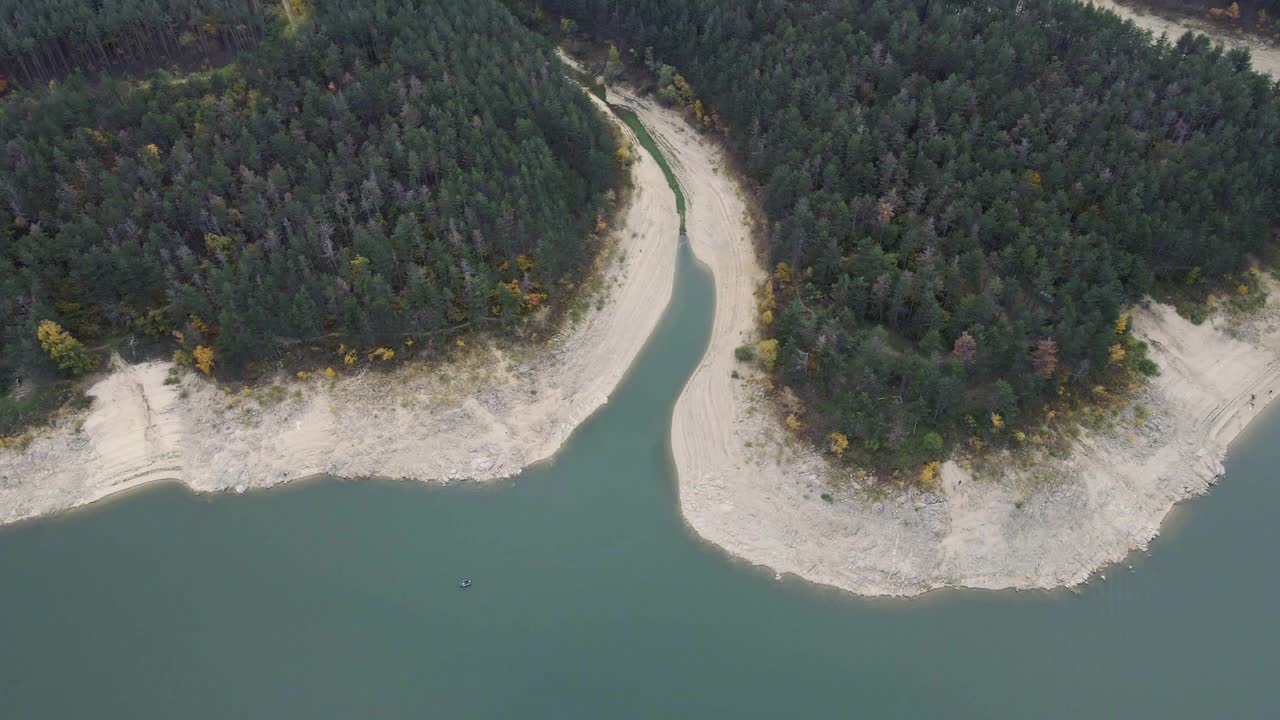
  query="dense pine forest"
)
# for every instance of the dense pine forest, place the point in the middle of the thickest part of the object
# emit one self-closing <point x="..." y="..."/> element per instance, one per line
<point x="41" y="41"/>
<point x="962" y="196"/>
<point x="380" y="176"/>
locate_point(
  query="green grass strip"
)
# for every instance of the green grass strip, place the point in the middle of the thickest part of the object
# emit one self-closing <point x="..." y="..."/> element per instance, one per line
<point x="588" y="81"/>
<point x="647" y="142"/>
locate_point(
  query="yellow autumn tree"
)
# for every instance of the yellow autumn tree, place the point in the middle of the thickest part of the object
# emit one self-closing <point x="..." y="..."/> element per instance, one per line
<point x="1122" y="324"/>
<point x="204" y="359"/>
<point x="793" y="422"/>
<point x="767" y="351"/>
<point x="69" y="353"/>
<point x="201" y="326"/>
<point x="767" y="303"/>
<point x="1116" y="353"/>
<point x="997" y="420"/>
<point x="839" y="442"/>
<point x="220" y="245"/>
<point x="930" y="474"/>
<point x="330" y="373"/>
<point x="767" y="300"/>
<point x="782" y="273"/>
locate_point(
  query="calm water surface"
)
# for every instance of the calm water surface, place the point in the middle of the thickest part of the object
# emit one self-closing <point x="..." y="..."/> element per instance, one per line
<point x="592" y="600"/>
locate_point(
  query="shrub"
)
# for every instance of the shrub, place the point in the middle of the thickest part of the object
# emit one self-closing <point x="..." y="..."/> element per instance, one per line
<point x="839" y="442"/>
<point x="204" y="359"/>
<point x="931" y="442"/>
<point x="768" y="350"/>
<point x="930" y="474"/>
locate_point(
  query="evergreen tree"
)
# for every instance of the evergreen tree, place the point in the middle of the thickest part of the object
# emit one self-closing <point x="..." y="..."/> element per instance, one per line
<point x="368" y="176"/>
<point x="965" y="192"/>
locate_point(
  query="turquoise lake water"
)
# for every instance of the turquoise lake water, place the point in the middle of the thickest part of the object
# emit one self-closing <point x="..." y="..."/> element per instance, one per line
<point x="332" y="599"/>
<point x="335" y="599"/>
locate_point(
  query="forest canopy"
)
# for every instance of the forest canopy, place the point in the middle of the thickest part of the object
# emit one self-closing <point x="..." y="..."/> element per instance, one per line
<point x="385" y="174"/>
<point x="41" y="41"/>
<point x="962" y="196"/>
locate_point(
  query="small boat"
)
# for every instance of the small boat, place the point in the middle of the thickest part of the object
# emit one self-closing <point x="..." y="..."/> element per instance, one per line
<point x="464" y="584"/>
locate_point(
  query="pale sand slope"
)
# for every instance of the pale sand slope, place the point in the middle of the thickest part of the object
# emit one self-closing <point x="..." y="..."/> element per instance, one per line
<point x="485" y="416"/>
<point x="747" y="486"/>
<point x="1266" y="58"/>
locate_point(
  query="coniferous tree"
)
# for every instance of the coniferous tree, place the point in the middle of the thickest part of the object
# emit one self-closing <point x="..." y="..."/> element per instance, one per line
<point x="965" y="192"/>
<point x="385" y="171"/>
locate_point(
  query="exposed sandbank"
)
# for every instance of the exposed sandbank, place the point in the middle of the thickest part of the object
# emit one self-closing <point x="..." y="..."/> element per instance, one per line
<point x="748" y="486"/>
<point x="485" y="416"/>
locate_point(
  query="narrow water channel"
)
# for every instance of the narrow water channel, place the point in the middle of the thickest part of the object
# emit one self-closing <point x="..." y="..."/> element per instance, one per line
<point x="591" y="599"/>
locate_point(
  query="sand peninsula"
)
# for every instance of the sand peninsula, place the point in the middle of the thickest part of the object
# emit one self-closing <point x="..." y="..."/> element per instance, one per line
<point x="749" y="487"/>
<point x="486" y="415"/>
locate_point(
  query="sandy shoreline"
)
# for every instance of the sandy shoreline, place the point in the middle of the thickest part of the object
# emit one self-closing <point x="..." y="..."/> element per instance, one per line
<point x="486" y="416"/>
<point x="745" y="484"/>
<point x="749" y="487"/>
<point x="1266" y="58"/>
